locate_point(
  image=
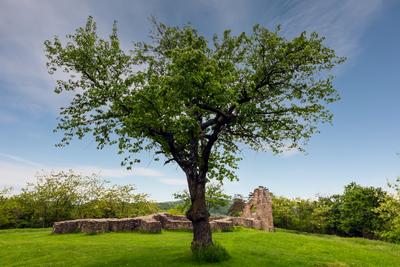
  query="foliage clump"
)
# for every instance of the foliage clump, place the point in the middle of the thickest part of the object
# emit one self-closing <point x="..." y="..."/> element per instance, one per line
<point x="389" y="212"/>
<point x="360" y="211"/>
<point x="210" y="254"/>
<point x="237" y="206"/>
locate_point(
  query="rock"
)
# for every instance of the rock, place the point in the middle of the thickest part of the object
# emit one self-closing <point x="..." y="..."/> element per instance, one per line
<point x="92" y="226"/>
<point x="149" y="225"/>
<point x="173" y="222"/>
<point x="224" y="224"/>
<point x="65" y="227"/>
<point x="246" y="222"/>
<point x="124" y="225"/>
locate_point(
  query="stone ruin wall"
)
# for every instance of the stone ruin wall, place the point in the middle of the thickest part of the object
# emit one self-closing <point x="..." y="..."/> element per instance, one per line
<point x="256" y="214"/>
<point x="151" y="224"/>
<point x="259" y="207"/>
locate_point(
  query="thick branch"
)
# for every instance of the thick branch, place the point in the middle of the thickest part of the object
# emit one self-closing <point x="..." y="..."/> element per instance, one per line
<point x="212" y="109"/>
<point x="222" y="122"/>
<point x="169" y="138"/>
<point x="208" y="123"/>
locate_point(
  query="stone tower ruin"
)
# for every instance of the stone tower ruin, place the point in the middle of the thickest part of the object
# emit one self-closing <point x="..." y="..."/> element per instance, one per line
<point x="259" y="207"/>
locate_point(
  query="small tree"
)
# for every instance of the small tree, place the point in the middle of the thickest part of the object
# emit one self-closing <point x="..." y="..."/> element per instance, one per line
<point x="389" y="213"/>
<point x="193" y="100"/>
<point x="52" y="197"/>
<point x="237" y="206"/>
<point x="357" y="210"/>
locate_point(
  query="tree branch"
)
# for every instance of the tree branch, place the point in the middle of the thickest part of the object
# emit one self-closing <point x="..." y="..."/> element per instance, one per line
<point x="169" y="138"/>
<point x="212" y="109"/>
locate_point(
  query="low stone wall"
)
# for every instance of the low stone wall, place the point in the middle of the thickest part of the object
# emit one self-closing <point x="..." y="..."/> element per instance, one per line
<point x="151" y="224"/>
<point x="173" y="222"/>
<point x="145" y="224"/>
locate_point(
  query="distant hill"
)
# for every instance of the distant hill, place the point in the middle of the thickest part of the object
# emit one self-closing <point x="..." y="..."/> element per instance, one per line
<point x="168" y="204"/>
<point x="171" y="204"/>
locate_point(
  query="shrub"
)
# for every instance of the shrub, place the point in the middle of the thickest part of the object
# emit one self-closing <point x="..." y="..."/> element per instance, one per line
<point x="389" y="212"/>
<point x="175" y="211"/>
<point x="210" y="254"/>
<point x="237" y="206"/>
<point x="357" y="211"/>
<point x="58" y="196"/>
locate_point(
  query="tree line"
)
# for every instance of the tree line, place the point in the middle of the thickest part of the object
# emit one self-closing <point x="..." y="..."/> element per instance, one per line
<point x="360" y="211"/>
<point x="61" y="196"/>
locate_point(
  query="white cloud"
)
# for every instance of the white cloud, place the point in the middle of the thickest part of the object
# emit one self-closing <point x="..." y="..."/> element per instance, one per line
<point x="117" y="172"/>
<point x="16" y="175"/>
<point x="16" y="171"/>
<point x="173" y="181"/>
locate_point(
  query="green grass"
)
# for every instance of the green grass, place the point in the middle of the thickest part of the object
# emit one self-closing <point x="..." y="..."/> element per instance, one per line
<point x="38" y="247"/>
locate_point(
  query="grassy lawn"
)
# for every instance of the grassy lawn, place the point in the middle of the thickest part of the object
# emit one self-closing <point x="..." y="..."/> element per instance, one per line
<point x="38" y="247"/>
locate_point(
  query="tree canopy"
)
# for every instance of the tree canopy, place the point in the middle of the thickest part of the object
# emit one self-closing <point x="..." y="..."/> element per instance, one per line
<point x="187" y="97"/>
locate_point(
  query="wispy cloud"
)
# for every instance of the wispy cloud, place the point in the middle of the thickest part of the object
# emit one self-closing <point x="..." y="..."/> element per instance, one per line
<point x="117" y="172"/>
<point x="173" y="181"/>
<point x="24" y="25"/>
<point x="21" y="160"/>
<point x="342" y="22"/>
<point x="16" y="171"/>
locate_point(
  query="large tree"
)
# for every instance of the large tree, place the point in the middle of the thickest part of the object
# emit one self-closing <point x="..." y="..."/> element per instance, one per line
<point x="192" y="100"/>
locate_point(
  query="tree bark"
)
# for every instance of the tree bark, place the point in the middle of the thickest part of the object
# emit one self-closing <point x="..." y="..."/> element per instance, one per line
<point x="198" y="213"/>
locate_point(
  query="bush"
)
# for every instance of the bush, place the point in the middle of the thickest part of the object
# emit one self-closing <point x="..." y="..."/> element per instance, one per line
<point x="210" y="254"/>
<point x="294" y="214"/>
<point x="389" y="212"/>
<point x="359" y="212"/>
<point x="175" y="211"/>
<point x="59" y="196"/>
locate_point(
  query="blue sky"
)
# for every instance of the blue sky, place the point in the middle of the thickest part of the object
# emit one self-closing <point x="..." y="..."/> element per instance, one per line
<point x="360" y="146"/>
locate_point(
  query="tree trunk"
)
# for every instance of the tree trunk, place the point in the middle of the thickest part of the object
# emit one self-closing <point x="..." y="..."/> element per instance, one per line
<point x="198" y="213"/>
